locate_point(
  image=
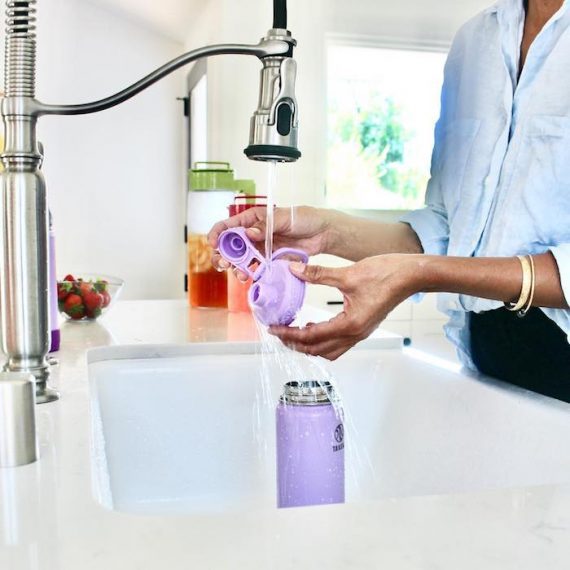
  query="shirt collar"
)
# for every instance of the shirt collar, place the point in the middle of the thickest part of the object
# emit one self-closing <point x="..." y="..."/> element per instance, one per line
<point x="502" y="5"/>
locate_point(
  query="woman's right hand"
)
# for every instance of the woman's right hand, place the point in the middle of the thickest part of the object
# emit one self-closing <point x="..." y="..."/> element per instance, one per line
<point x="300" y="227"/>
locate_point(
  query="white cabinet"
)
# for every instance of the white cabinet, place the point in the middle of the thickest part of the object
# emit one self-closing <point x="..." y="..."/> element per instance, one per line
<point x="426" y="309"/>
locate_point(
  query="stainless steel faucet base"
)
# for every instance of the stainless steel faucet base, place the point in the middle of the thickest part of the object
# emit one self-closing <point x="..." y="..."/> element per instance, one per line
<point x="18" y="441"/>
<point x="45" y="394"/>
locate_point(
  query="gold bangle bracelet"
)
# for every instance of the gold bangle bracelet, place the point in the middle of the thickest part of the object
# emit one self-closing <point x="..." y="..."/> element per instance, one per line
<point x="526" y="285"/>
<point x="528" y="305"/>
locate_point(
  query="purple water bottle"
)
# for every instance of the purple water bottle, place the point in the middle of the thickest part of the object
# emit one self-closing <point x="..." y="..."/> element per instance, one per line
<point x="310" y="445"/>
<point x="53" y="312"/>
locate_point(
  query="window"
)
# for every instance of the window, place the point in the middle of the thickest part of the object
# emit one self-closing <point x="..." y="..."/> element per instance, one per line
<point x="382" y="108"/>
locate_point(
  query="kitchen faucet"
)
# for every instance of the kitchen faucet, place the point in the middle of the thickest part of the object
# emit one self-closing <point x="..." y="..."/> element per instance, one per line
<point x="24" y="218"/>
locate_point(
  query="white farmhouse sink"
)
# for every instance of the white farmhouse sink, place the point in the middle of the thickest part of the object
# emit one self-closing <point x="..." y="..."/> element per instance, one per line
<point x="190" y="429"/>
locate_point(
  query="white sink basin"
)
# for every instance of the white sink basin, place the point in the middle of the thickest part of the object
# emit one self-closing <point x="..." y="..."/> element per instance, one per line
<point x="190" y="429"/>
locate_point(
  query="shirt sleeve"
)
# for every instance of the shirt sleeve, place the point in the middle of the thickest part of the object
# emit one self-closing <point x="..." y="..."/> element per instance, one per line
<point x="431" y="223"/>
<point x="562" y="255"/>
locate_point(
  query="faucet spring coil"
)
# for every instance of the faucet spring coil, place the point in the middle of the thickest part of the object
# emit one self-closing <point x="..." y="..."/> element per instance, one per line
<point x="20" y="53"/>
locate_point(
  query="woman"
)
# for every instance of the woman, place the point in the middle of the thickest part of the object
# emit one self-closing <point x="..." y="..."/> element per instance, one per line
<point x="494" y="236"/>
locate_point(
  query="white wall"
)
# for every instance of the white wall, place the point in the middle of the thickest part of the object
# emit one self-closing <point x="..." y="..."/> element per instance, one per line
<point x="170" y="17"/>
<point x="233" y="81"/>
<point x="115" y="179"/>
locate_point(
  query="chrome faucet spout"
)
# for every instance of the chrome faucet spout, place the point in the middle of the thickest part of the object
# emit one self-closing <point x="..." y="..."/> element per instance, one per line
<point x="275" y="122"/>
<point x="265" y="48"/>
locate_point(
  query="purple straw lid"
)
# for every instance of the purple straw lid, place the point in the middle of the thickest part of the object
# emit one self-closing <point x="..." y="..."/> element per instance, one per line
<point x="276" y="295"/>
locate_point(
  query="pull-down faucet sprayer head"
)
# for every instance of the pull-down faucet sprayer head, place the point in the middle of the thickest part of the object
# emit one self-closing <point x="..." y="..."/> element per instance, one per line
<point x="275" y="123"/>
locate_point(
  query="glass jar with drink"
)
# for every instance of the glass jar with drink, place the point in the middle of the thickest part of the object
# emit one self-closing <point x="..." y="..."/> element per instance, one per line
<point x="211" y="189"/>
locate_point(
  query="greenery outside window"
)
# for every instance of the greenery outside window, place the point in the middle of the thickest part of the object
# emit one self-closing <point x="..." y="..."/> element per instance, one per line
<point x="383" y="104"/>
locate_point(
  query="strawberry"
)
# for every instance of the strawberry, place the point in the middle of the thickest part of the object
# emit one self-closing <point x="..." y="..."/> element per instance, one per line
<point x="69" y="277"/>
<point x="74" y="307"/>
<point x="93" y="303"/>
<point x="63" y="289"/>
<point x="83" y="288"/>
<point x="106" y="298"/>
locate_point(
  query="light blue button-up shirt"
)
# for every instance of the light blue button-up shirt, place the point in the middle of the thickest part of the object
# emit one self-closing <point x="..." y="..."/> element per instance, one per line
<point x="500" y="175"/>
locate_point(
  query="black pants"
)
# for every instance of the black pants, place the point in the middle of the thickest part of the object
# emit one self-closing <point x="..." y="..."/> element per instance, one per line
<point x="532" y="352"/>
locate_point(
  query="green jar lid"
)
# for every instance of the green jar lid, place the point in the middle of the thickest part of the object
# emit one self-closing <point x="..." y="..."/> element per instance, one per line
<point x="211" y="176"/>
<point x="246" y="187"/>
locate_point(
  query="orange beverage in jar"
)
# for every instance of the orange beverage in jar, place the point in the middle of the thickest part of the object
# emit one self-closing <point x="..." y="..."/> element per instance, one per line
<point x="206" y="286"/>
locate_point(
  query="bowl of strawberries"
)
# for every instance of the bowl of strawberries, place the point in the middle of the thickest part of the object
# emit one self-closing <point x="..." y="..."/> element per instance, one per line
<point x="87" y="297"/>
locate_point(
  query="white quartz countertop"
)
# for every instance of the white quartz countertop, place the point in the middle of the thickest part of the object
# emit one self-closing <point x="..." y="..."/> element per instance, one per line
<point x="50" y="520"/>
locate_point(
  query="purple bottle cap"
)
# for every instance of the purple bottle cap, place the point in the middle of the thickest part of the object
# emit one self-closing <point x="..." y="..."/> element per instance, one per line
<point x="276" y="295"/>
<point x="236" y="248"/>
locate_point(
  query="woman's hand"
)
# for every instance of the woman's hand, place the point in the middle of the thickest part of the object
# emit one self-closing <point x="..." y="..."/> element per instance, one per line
<point x="300" y="227"/>
<point x="371" y="288"/>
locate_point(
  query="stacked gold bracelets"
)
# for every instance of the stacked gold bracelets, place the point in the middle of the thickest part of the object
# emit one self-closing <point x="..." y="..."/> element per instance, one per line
<point x="526" y="298"/>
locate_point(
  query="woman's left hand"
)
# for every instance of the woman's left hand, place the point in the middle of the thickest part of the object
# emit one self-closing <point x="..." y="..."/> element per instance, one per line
<point x="371" y="288"/>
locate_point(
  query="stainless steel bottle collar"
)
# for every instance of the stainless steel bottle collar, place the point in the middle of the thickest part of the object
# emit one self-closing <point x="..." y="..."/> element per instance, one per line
<point x="309" y="393"/>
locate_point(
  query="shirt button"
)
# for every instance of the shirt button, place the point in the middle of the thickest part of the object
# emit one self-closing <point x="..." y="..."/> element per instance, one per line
<point x="487" y="181"/>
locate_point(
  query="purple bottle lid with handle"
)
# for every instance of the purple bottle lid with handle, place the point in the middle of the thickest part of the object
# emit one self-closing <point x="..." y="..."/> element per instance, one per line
<point x="276" y="295"/>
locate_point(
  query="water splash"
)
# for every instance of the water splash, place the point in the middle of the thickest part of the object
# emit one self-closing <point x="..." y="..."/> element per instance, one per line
<point x="269" y="222"/>
<point x="279" y="365"/>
